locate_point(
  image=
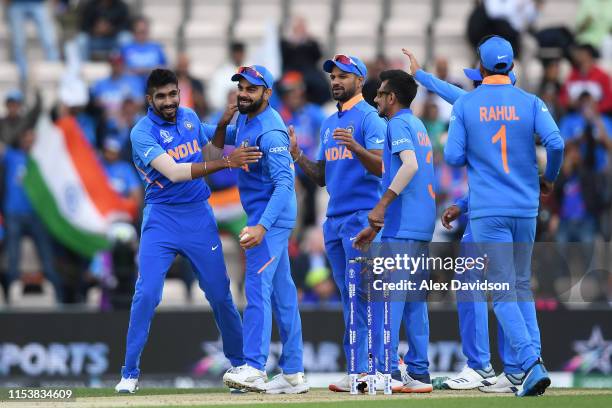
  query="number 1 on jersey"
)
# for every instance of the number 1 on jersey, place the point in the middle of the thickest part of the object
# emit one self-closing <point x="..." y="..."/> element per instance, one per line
<point x="501" y="135"/>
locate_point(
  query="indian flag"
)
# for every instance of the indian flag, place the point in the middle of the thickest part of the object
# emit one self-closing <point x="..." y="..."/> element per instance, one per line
<point x="69" y="189"/>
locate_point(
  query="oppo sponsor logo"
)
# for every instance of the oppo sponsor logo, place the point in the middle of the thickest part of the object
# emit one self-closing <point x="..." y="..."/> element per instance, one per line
<point x="61" y="359"/>
<point x="278" y="149"/>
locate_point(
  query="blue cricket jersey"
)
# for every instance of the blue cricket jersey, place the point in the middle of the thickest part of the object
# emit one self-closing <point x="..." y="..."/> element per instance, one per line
<point x="183" y="140"/>
<point x="412" y="215"/>
<point x="350" y="185"/>
<point x="267" y="190"/>
<point x="492" y="130"/>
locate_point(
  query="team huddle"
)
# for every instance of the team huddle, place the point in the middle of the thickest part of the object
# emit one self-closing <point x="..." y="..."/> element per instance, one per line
<point x="378" y="169"/>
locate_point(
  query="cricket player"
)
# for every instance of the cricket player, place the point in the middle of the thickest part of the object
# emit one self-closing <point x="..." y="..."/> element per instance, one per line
<point x="349" y="163"/>
<point x="473" y="313"/>
<point x="492" y="132"/>
<point x="267" y="194"/>
<point x="167" y="150"/>
<point x="406" y="213"/>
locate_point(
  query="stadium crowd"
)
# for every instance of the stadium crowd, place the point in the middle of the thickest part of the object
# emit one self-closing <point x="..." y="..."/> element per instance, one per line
<point x="109" y="30"/>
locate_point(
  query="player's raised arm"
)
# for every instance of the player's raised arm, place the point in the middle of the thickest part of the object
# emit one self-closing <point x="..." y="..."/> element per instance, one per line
<point x="449" y="92"/>
<point x="313" y="170"/>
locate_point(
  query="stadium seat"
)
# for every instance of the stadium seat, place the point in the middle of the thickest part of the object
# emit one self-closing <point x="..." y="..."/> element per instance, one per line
<point x="406" y="27"/>
<point x="93" y="71"/>
<point x="557" y="13"/>
<point x="456" y="9"/>
<point x="318" y="16"/>
<point x="45" y="299"/>
<point x="449" y="39"/>
<point x="260" y="10"/>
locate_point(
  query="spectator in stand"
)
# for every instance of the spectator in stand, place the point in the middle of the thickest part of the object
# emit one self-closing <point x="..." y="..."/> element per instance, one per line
<point x="16" y="120"/>
<point x="311" y="270"/>
<point x="436" y="128"/>
<point x="74" y="101"/>
<point x="121" y="174"/>
<point x="594" y="22"/>
<point x="220" y="83"/>
<point x="306" y="118"/>
<point x="121" y="126"/>
<point x="550" y="88"/>
<point x="111" y="92"/>
<point x="591" y="130"/>
<point x="192" y="89"/>
<point x="586" y="76"/>
<point x="21" y="219"/>
<point x="142" y="55"/>
<point x="506" y="18"/>
<point x="301" y="52"/>
<point x="104" y="27"/>
<point x="18" y="12"/>
<point x="576" y="193"/>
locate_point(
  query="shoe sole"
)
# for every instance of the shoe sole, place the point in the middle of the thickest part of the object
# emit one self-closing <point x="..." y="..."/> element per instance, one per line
<point x="538" y="388"/>
<point x="126" y="391"/>
<point x="240" y="386"/>
<point x="423" y="390"/>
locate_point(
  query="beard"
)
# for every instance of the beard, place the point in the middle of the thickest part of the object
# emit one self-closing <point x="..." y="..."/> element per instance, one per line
<point x="168" y="112"/>
<point x="342" y="94"/>
<point x="253" y="106"/>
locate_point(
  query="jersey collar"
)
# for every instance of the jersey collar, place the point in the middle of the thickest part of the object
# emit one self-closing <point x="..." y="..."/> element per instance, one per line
<point x="159" y="120"/>
<point x="402" y="111"/>
<point x="350" y="103"/>
<point x="497" y="80"/>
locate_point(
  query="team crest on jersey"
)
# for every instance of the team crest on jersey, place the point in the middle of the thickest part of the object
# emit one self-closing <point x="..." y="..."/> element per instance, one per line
<point x="245" y="143"/>
<point x="188" y="125"/>
<point x="350" y="128"/>
<point x="326" y="136"/>
<point x="166" y="136"/>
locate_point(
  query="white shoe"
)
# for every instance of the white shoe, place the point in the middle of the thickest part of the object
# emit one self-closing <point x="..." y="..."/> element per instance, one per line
<point x="505" y="383"/>
<point x="412" y="385"/>
<point x="127" y="386"/>
<point x="396" y="386"/>
<point x="469" y="379"/>
<point x="287" y="384"/>
<point x="245" y="377"/>
<point x="344" y="383"/>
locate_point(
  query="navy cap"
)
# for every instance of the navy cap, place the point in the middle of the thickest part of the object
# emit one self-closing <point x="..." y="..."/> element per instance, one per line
<point x="474" y="75"/>
<point x="496" y="54"/>
<point x="14" y="95"/>
<point x="256" y="75"/>
<point x="346" y="63"/>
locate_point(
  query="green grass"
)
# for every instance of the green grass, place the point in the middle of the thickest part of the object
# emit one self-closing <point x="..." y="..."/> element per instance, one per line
<point x="556" y="401"/>
<point x="554" y="398"/>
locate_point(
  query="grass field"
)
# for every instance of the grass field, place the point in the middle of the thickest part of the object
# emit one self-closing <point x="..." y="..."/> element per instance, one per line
<point x="166" y="397"/>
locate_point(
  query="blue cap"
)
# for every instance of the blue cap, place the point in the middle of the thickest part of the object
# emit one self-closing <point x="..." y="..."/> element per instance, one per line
<point x="496" y="55"/>
<point x="474" y="75"/>
<point x="14" y="95"/>
<point x="112" y="143"/>
<point x="346" y="63"/>
<point x="256" y="75"/>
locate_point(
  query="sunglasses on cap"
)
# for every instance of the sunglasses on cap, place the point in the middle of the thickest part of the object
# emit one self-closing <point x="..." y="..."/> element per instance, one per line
<point x="346" y="60"/>
<point x="254" y="73"/>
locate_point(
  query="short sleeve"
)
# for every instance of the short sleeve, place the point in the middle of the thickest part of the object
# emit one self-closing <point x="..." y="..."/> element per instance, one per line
<point x="374" y="130"/>
<point x="401" y="136"/>
<point x="145" y="146"/>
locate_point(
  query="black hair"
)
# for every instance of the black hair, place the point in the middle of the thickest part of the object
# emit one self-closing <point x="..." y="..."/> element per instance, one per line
<point x="402" y="84"/>
<point x="237" y="46"/>
<point x="160" y="77"/>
